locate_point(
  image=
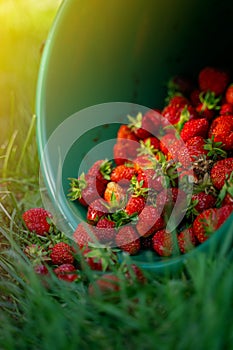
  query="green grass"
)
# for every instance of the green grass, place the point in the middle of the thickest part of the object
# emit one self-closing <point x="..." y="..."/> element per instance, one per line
<point x="190" y="311"/>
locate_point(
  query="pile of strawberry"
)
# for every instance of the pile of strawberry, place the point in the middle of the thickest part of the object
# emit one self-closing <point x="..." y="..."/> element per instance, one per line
<point x="52" y="253"/>
<point x="179" y="158"/>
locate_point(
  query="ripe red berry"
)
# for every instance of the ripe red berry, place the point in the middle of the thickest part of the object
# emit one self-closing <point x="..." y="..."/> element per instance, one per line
<point x="186" y="240"/>
<point x="229" y="94"/>
<point x="162" y="243"/>
<point x="67" y="272"/>
<point x="36" y="220"/>
<point x="62" y="253"/>
<point x="213" y="79"/>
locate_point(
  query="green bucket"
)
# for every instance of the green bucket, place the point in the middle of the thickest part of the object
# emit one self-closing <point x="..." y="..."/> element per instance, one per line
<point x="100" y="53"/>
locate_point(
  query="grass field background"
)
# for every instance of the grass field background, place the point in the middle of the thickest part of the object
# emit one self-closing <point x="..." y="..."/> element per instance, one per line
<point x="190" y="311"/>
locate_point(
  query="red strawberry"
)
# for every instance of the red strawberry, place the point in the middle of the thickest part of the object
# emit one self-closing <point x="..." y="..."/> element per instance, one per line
<point x="149" y="221"/>
<point x="62" y="253"/>
<point x="221" y="130"/>
<point x="162" y="243"/>
<point x="66" y="272"/>
<point x="135" y="204"/>
<point x="105" y="230"/>
<point x="107" y="283"/>
<point x="220" y="171"/>
<point x="83" y="234"/>
<point x="134" y="273"/>
<point x="203" y="201"/>
<point x="195" y="127"/>
<point x="96" y="210"/>
<point x="172" y="112"/>
<point x="86" y="189"/>
<point x="101" y="170"/>
<point x="125" y="132"/>
<point x="209" y="221"/>
<point x="229" y="94"/>
<point x="186" y="240"/>
<point x="36" y="220"/>
<point x="226" y="109"/>
<point x="41" y="270"/>
<point x="213" y="79"/>
<point x="123" y="173"/>
<point x="195" y="146"/>
<point x="128" y="240"/>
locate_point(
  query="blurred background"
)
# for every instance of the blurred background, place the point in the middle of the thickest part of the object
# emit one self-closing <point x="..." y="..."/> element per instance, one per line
<point x="24" y="27"/>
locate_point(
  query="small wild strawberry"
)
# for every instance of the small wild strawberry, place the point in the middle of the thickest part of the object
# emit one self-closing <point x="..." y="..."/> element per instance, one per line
<point x="36" y="220"/>
<point x="62" y="253"/>
<point x="134" y="273"/>
<point x="66" y="272"/>
<point x="107" y="283"/>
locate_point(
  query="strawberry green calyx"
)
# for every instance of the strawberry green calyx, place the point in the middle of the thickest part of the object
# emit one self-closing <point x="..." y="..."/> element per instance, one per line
<point x="121" y="218"/>
<point x="135" y="122"/>
<point x="205" y="185"/>
<point x="76" y="187"/>
<point x="227" y="188"/>
<point x="172" y="90"/>
<point x="103" y="254"/>
<point x="184" y="117"/>
<point x="214" y="149"/>
<point x="209" y="100"/>
<point x="136" y="187"/>
<point x="146" y="148"/>
<point x="106" y="169"/>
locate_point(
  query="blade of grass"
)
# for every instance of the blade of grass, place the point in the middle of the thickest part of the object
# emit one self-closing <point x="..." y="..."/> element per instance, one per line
<point x="8" y="154"/>
<point x="26" y="143"/>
